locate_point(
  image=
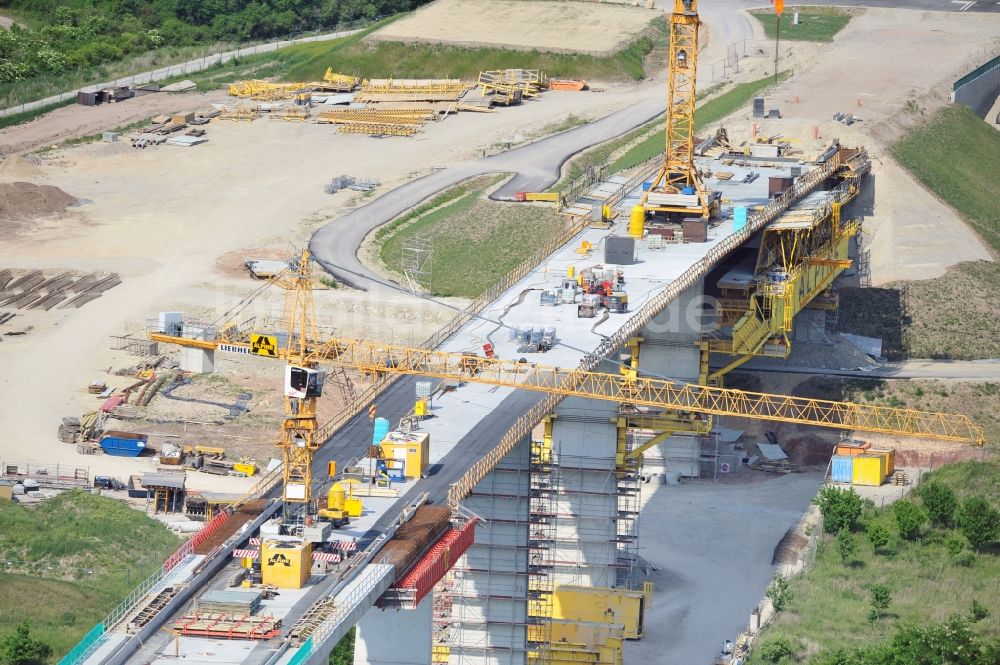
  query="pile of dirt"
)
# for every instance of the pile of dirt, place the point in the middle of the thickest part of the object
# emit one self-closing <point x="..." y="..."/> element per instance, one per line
<point x="808" y="450"/>
<point x="20" y="200"/>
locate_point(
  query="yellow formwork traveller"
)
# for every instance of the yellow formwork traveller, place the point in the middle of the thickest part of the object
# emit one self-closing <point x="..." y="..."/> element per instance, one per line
<point x="614" y="606"/>
<point x="285" y="564"/>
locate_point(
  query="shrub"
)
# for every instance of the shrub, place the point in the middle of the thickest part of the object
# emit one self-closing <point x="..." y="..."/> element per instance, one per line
<point x="878" y="535"/>
<point x="977" y="612"/>
<point x="940" y="502"/>
<point x="965" y="559"/>
<point x="846" y="546"/>
<point x="978" y="521"/>
<point x="879" y="600"/>
<point x="20" y="648"/>
<point x="779" y="593"/>
<point x="840" y="508"/>
<point x="774" y="650"/>
<point x="909" y="518"/>
<point x="955" y="546"/>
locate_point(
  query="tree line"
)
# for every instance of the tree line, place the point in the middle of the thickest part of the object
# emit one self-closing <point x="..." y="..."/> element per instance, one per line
<point x="80" y="34"/>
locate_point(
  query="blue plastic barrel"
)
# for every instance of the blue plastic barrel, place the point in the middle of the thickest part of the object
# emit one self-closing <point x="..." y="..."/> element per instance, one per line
<point x="687" y="190"/>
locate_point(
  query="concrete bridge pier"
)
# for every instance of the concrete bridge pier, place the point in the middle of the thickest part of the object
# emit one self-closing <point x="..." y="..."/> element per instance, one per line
<point x="394" y="636"/>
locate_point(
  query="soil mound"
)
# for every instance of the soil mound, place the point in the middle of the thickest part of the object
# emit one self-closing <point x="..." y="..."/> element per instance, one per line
<point x="19" y="200"/>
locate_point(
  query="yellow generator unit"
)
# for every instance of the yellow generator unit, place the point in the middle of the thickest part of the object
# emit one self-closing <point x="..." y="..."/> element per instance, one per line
<point x="412" y="448"/>
<point x="336" y="507"/>
<point x="421" y="407"/>
<point x="285" y="564"/>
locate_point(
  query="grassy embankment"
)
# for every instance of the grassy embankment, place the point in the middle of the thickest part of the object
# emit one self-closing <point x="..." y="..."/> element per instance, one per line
<point x="70" y="560"/>
<point x="954" y="155"/>
<point x="816" y="24"/>
<point x="355" y="55"/>
<point x="928" y="583"/>
<point x="475" y="241"/>
<point x="980" y="401"/>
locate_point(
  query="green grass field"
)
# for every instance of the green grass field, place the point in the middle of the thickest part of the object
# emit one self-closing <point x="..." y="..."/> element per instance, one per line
<point x="475" y="241"/>
<point x="355" y="55"/>
<point x="711" y="111"/>
<point x="829" y="606"/>
<point x="70" y="560"/>
<point x="955" y="155"/>
<point x="816" y="24"/>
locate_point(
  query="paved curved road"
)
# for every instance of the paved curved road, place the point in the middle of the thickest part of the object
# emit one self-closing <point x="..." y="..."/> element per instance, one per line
<point x="536" y="166"/>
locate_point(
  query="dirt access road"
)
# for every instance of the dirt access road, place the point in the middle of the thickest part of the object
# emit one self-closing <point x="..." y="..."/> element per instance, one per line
<point x="573" y="27"/>
<point x="75" y="120"/>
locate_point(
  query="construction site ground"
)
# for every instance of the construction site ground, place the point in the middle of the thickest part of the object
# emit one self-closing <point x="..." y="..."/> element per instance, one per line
<point x="713" y="563"/>
<point x="576" y="27"/>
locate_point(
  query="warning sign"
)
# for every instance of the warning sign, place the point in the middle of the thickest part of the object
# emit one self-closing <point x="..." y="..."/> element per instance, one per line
<point x="264" y="345"/>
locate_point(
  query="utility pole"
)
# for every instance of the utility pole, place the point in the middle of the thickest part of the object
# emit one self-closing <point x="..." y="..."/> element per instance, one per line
<point x="779" y="5"/>
<point x="777" y="40"/>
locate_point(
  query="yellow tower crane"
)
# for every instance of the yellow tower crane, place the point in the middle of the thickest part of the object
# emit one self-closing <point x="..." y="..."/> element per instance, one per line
<point x="304" y="353"/>
<point x="678" y="189"/>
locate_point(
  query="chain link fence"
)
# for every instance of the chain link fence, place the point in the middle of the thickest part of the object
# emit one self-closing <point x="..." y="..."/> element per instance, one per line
<point x="192" y="66"/>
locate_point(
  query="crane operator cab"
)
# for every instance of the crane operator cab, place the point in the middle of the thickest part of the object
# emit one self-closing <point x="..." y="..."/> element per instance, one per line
<point x="302" y="382"/>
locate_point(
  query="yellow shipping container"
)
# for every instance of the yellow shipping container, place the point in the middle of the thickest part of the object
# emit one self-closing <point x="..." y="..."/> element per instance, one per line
<point x="413" y="448"/>
<point x="868" y="470"/>
<point x="890" y="459"/>
<point x="285" y="564"/>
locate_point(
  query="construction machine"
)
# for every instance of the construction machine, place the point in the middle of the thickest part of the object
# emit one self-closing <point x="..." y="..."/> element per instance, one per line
<point x="336" y="508"/>
<point x="616" y="301"/>
<point x="678" y="191"/>
<point x="588" y="306"/>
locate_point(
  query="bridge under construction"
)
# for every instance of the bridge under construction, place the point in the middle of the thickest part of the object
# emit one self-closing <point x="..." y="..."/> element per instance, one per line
<point x="484" y="496"/>
<point x="535" y="559"/>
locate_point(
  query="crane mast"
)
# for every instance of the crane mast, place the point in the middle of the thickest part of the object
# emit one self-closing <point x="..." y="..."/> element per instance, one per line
<point x="677" y="187"/>
<point x="303" y="385"/>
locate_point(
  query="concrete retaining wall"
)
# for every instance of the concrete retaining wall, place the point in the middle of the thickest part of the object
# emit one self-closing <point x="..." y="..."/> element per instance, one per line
<point x="979" y="89"/>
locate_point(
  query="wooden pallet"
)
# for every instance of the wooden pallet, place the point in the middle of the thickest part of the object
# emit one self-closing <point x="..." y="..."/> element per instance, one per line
<point x="377" y="129"/>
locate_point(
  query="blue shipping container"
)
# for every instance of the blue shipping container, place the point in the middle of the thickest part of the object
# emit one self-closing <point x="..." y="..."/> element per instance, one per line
<point x="123" y="444"/>
<point x="842" y="469"/>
